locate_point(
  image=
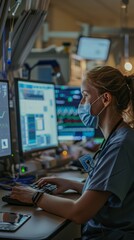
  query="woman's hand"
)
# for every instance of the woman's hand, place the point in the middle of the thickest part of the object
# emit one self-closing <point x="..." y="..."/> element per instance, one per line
<point x="61" y="183"/>
<point x="23" y="193"/>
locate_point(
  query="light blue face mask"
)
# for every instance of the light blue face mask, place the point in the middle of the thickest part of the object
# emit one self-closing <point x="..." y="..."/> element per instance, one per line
<point x="84" y="111"/>
<point x="89" y="120"/>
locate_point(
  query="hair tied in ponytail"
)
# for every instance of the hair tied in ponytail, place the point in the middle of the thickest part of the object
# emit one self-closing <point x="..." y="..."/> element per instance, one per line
<point x="127" y="79"/>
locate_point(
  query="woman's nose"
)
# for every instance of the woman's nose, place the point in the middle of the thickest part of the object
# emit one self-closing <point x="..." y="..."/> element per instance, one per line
<point x="82" y="100"/>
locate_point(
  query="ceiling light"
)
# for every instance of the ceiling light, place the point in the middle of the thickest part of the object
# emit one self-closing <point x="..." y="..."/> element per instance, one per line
<point x="124" y="3"/>
<point x="128" y="66"/>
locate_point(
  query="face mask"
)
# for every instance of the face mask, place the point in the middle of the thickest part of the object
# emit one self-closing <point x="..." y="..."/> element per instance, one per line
<point x="89" y="120"/>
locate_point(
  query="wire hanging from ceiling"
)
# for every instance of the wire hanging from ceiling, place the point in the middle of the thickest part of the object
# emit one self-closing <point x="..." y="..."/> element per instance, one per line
<point x="125" y="34"/>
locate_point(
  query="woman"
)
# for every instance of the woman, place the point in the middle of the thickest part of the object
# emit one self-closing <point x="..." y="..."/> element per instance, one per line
<point x="106" y="205"/>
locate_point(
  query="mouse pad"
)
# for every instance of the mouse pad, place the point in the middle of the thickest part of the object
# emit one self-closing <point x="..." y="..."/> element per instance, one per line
<point x="11" y="221"/>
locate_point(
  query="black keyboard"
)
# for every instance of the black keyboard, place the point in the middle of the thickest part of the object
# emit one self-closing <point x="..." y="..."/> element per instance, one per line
<point x="48" y="188"/>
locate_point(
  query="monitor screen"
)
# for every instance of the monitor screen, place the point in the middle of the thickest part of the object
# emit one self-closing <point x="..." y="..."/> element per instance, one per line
<point x="70" y="126"/>
<point x="36" y="116"/>
<point x="95" y="49"/>
<point x="5" y="130"/>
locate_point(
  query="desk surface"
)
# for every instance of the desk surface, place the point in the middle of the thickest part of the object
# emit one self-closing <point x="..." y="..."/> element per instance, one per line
<point x="41" y="225"/>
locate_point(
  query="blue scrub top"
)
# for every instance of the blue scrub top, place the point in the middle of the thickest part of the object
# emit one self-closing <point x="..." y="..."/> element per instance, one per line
<point x="113" y="172"/>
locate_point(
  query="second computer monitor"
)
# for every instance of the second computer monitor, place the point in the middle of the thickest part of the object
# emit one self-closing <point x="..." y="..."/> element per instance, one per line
<point x="36" y="116"/>
<point x="5" y="130"/>
<point x="70" y="127"/>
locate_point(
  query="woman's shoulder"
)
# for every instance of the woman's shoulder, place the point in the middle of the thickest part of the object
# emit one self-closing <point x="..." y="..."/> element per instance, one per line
<point x="124" y="132"/>
<point x="122" y="137"/>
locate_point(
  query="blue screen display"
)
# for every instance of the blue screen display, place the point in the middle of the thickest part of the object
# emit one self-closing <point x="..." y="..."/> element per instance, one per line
<point x="70" y="126"/>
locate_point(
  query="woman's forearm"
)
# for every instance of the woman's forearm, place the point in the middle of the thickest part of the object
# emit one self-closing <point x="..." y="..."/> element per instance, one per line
<point x="77" y="186"/>
<point x="57" y="205"/>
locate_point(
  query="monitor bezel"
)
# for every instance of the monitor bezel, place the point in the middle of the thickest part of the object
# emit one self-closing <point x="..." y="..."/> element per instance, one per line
<point x="96" y="38"/>
<point x="8" y="96"/>
<point x="17" y="110"/>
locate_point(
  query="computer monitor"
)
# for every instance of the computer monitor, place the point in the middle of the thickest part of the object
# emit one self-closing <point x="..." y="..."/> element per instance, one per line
<point x="94" y="49"/>
<point x="5" y="129"/>
<point x="36" y="116"/>
<point x="70" y="127"/>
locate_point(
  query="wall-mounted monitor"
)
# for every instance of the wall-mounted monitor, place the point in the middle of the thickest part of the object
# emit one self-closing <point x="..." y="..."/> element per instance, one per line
<point x="70" y="127"/>
<point x="36" y="116"/>
<point x="94" y="49"/>
<point x="5" y="128"/>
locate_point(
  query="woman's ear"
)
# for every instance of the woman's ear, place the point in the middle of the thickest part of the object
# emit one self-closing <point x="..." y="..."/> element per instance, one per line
<point x="107" y="98"/>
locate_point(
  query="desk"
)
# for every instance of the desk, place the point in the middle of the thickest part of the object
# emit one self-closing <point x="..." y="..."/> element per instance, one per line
<point x="42" y="225"/>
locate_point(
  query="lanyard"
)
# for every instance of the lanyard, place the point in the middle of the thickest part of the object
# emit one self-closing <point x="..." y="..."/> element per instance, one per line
<point x="87" y="161"/>
<point x="105" y="141"/>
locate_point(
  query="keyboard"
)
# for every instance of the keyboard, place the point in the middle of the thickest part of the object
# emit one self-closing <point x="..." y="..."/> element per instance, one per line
<point x="48" y="188"/>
